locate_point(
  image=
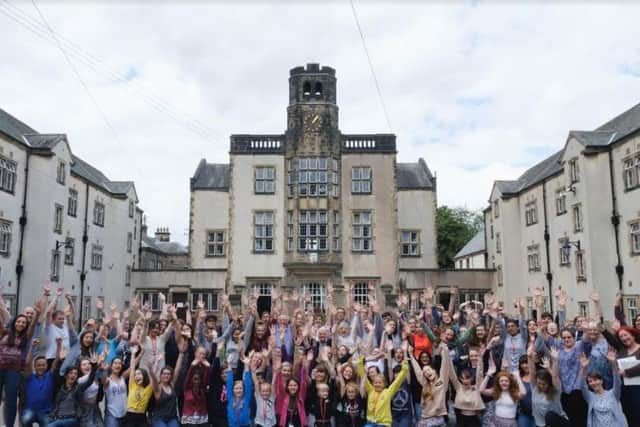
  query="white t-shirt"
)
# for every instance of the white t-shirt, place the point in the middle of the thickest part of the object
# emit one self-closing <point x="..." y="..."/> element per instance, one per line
<point x="506" y="407"/>
<point x="53" y="332"/>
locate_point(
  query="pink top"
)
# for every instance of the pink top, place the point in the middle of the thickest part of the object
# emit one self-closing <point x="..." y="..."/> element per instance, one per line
<point x="10" y="356"/>
<point x="282" y="398"/>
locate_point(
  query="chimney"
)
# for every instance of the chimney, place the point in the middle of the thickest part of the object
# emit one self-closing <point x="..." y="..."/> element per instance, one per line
<point x="163" y="234"/>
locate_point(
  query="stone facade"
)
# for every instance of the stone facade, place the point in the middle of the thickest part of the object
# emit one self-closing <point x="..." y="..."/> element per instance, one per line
<point x="62" y="221"/>
<point x="573" y="220"/>
<point x="297" y="209"/>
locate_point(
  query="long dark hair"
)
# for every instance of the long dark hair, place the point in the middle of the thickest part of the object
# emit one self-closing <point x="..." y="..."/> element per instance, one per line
<point x="545" y="375"/>
<point x="13" y="334"/>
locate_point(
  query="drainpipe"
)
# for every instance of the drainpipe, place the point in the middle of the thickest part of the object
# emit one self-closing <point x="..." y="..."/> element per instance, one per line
<point x="547" y="238"/>
<point x="23" y="224"/>
<point x="85" y="239"/>
<point x="615" y="220"/>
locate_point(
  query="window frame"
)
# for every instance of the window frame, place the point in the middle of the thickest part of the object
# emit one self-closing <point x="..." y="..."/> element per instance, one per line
<point x="54" y="270"/>
<point x="215" y="243"/>
<point x="129" y="242"/>
<point x="72" y="203"/>
<point x="361" y="236"/>
<point x="131" y="208"/>
<point x="629" y="176"/>
<point x="69" y="251"/>
<point x="99" y="210"/>
<point x="581" y="268"/>
<point x="578" y="218"/>
<point x="58" y="218"/>
<point x="533" y="258"/>
<point x="211" y="302"/>
<point x="318" y="297"/>
<point x="360" y="180"/>
<point x="634" y="237"/>
<point x="262" y="236"/>
<point x="561" y="203"/>
<point x="360" y="292"/>
<point x="6" y="236"/>
<point x="531" y="213"/>
<point x="97" y="256"/>
<point x="574" y="170"/>
<point x="312" y="219"/>
<point x="8" y="175"/>
<point x="152" y="298"/>
<point x="410" y="243"/>
<point x="564" y="253"/>
<point x="264" y="179"/>
<point x="498" y="243"/>
<point x="61" y="173"/>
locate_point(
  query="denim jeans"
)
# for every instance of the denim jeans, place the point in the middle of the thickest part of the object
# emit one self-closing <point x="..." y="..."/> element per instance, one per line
<point x="30" y="417"/>
<point x="526" y="421"/>
<point x="162" y="423"/>
<point x="65" y="422"/>
<point x="111" y="421"/>
<point x="10" y="382"/>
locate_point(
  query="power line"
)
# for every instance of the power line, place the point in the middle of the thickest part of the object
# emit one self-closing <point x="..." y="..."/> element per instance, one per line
<point x="99" y="66"/>
<point x="373" y="73"/>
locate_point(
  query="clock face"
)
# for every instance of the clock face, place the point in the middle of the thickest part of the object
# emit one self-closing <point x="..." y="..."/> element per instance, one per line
<point x="312" y="123"/>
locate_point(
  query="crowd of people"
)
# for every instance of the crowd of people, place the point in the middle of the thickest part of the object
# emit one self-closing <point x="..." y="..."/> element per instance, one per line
<point x="474" y="363"/>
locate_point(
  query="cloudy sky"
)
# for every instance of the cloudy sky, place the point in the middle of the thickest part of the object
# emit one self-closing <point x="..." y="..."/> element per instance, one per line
<point x="480" y="90"/>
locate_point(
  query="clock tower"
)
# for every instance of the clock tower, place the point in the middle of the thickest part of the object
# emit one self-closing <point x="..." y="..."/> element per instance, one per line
<point x="312" y="115"/>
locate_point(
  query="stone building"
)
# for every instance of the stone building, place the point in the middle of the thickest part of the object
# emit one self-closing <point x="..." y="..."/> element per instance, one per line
<point x="62" y="220"/>
<point x="573" y="220"/>
<point x="300" y="208"/>
<point x="160" y="253"/>
<point x="473" y="254"/>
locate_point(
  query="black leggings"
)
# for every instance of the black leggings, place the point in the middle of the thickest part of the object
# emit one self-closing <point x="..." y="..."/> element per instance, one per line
<point x="133" y="419"/>
<point x="553" y="419"/>
<point x="575" y="407"/>
<point x="467" y="421"/>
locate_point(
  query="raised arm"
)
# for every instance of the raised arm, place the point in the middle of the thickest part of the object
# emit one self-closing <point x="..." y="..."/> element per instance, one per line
<point x="485" y="382"/>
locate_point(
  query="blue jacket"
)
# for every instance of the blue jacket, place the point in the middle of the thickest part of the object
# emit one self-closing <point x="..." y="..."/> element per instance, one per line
<point x="239" y="413"/>
<point x="612" y="398"/>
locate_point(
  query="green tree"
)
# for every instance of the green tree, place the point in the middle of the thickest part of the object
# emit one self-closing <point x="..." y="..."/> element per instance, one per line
<point x="455" y="226"/>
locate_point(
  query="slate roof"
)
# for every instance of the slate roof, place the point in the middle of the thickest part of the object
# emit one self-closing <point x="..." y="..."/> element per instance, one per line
<point x="546" y="168"/>
<point x="473" y="246"/>
<point x="215" y="176"/>
<point x="14" y="127"/>
<point x="211" y="176"/>
<point x="32" y="139"/>
<point x="414" y="176"/>
<point x="167" y="248"/>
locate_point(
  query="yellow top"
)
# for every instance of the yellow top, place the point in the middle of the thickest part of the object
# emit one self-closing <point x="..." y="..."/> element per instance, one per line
<point x="379" y="404"/>
<point x="138" y="398"/>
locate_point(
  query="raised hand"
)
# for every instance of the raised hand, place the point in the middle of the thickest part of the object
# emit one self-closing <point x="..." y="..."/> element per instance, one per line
<point x="595" y="297"/>
<point x="428" y="293"/>
<point x="59" y="292"/>
<point x="553" y="352"/>
<point x="584" y="360"/>
<point x="545" y="363"/>
<point x="161" y="298"/>
<point x="612" y="355"/>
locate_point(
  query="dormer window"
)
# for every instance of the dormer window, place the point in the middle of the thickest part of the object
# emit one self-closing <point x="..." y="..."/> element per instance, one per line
<point x="318" y="89"/>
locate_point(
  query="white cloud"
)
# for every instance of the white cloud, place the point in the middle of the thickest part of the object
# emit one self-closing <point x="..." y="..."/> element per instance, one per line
<point x="538" y="71"/>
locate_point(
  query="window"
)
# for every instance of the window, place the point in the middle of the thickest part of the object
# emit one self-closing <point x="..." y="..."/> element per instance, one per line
<point x="55" y="266"/>
<point x="72" y="205"/>
<point x="312" y="176"/>
<point x="263" y="231"/>
<point x="129" y="242"/>
<point x="290" y="235"/>
<point x="312" y="231"/>
<point x="264" y="180"/>
<point x="533" y="257"/>
<point x="361" y="240"/>
<point x="10" y="302"/>
<point x="361" y="292"/>
<point x="561" y="203"/>
<point x="583" y="309"/>
<point x="132" y="208"/>
<point x="565" y="252"/>
<point x="57" y="219"/>
<point x="361" y="180"/>
<point x="496" y="209"/>
<point x="491" y="230"/>
<point x="7" y="175"/>
<point x="151" y="297"/>
<point x="580" y="267"/>
<point x="336" y="231"/>
<point x="98" y="214"/>
<point x="127" y="276"/>
<point x="262" y="289"/>
<point x="630" y="179"/>
<point x="632" y="307"/>
<point x="499" y="275"/>
<point x="215" y="243"/>
<point x="638" y="171"/>
<point x="86" y="308"/>
<point x="498" y="243"/>
<point x="577" y="218"/>
<point x="69" y="249"/>
<point x="5" y="238"/>
<point x="634" y="230"/>
<point x="574" y="170"/>
<point x="61" y="173"/>
<point x="209" y="298"/>
<point x="410" y="241"/>
<point x="531" y="213"/>
<point x="96" y="257"/>
<point x="317" y="295"/>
